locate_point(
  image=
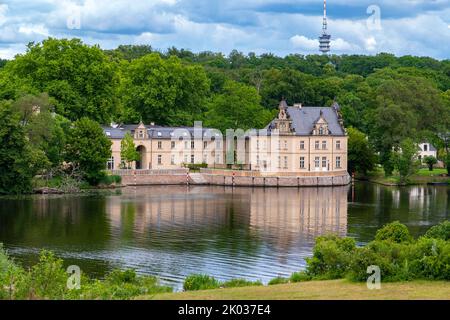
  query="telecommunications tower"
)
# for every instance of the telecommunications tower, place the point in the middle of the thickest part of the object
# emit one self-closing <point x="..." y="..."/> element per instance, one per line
<point x="325" y="38"/>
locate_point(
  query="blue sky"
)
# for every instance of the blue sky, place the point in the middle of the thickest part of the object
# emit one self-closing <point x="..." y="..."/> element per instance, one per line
<point x="417" y="27"/>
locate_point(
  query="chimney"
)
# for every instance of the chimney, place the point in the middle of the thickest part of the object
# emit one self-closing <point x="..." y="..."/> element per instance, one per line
<point x="298" y="105"/>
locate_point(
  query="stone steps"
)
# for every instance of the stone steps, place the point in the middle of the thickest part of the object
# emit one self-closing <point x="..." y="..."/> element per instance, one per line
<point x="197" y="178"/>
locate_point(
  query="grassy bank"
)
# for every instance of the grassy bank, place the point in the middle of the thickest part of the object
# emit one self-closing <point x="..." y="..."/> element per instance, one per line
<point x="320" y="290"/>
<point x="423" y="176"/>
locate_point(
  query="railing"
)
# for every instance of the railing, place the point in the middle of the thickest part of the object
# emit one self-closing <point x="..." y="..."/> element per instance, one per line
<point x="132" y="172"/>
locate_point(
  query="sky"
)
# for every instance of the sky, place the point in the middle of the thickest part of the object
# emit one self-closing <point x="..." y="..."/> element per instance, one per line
<point x="281" y="27"/>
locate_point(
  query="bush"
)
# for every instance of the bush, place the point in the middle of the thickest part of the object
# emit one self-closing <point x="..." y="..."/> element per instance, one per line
<point x="278" y="280"/>
<point x="200" y="282"/>
<point x="300" y="277"/>
<point x="108" y="180"/>
<point x="395" y="232"/>
<point x="236" y="283"/>
<point x="441" y="231"/>
<point x="331" y="257"/>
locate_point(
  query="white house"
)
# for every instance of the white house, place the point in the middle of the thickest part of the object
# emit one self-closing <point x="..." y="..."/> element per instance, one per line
<point x="426" y="150"/>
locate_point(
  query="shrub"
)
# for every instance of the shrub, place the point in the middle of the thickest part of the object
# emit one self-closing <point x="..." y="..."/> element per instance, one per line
<point x="441" y="231"/>
<point x="431" y="259"/>
<point x="331" y="257"/>
<point x="300" y="277"/>
<point x="200" y="282"/>
<point x="108" y="180"/>
<point x="395" y="232"/>
<point x="278" y="280"/>
<point x="235" y="283"/>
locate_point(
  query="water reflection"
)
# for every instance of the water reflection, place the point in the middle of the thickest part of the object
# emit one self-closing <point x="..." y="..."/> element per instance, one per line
<point x="175" y="231"/>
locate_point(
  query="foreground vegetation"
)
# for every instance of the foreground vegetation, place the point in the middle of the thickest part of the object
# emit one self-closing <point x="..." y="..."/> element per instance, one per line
<point x="320" y="290"/>
<point x="421" y="176"/>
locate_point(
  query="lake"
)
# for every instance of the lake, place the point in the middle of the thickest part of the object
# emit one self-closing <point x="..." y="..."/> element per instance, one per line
<point x="175" y="231"/>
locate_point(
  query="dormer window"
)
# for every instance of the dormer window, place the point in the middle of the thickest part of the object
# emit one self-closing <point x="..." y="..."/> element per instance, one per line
<point x="141" y="134"/>
<point x="321" y="131"/>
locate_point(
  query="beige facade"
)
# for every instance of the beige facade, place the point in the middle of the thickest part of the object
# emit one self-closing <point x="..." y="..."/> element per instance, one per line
<point x="301" y="140"/>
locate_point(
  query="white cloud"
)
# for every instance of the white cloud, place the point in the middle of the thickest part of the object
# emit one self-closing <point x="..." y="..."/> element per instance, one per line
<point x="302" y="42"/>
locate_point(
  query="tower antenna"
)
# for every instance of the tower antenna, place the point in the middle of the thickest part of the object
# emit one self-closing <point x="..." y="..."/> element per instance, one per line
<point x="325" y="38"/>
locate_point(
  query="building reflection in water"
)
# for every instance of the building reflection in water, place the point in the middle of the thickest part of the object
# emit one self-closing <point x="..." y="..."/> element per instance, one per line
<point x="240" y="232"/>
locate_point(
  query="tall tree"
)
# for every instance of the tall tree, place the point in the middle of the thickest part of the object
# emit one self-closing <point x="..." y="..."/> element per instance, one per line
<point x="19" y="161"/>
<point x="88" y="149"/>
<point x="128" y="152"/>
<point x="361" y="157"/>
<point x="79" y="77"/>
<point x="164" y="91"/>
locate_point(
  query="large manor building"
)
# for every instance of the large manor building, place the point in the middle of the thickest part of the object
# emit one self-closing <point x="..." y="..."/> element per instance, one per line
<point x="300" y="141"/>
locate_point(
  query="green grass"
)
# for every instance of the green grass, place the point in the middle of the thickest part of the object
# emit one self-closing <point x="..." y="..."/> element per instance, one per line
<point x="422" y="176"/>
<point x="320" y="290"/>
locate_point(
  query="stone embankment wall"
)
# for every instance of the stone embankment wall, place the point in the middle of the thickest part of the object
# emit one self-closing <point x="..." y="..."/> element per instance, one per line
<point x="232" y="178"/>
<point x="324" y="181"/>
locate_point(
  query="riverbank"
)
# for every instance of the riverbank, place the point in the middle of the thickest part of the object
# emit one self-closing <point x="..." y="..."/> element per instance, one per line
<point x="320" y="290"/>
<point x="422" y="177"/>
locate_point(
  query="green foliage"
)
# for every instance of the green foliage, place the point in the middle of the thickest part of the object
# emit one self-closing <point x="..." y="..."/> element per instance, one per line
<point x="236" y="283"/>
<point x="19" y="160"/>
<point x="128" y="152"/>
<point x="300" y="277"/>
<point x="440" y="231"/>
<point x="88" y="149"/>
<point x="278" y="280"/>
<point x="395" y="232"/>
<point x="164" y="91"/>
<point x="430" y="161"/>
<point x="331" y="257"/>
<point x="237" y="107"/>
<point x="399" y="257"/>
<point x="48" y="280"/>
<point x="361" y="157"/>
<point x="196" y="167"/>
<point x="406" y="162"/>
<point x="79" y="77"/>
<point x="200" y="282"/>
<point x="108" y="180"/>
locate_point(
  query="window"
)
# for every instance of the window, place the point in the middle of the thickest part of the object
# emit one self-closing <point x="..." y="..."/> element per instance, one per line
<point x="159" y="134"/>
<point x="285" y="162"/>
<point x="317" y="145"/>
<point x="159" y="159"/>
<point x="317" y="162"/>
<point x="185" y="158"/>
<point x="324" y="145"/>
<point x="279" y="162"/>
<point x="185" y="144"/>
<point x="285" y="144"/>
<point x="257" y="160"/>
<point x="338" y="162"/>
<point x="192" y="144"/>
<point x="205" y="144"/>
<point x="279" y="144"/>
<point x="338" y="145"/>
<point x="172" y="144"/>
<point x="302" y="162"/>
<point x="257" y="144"/>
<point x="141" y="134"/>
<point x="159" y="144"/>
<point x="110" y="164"/>
<point x="425" y="147"/>
<point x="302" y="145"/>
<point x="205" y="158"/>
<point x="321" y="131"/>
<point x="172" y="159"/>
<point x="192" y="159"/>
<point x="324" y="162"/>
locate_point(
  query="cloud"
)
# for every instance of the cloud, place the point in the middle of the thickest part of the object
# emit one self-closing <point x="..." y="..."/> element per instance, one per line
<point x="281" y="27"/>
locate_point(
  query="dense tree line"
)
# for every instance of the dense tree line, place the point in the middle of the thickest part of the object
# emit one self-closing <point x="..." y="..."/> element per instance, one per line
<point x="385" y="98"/>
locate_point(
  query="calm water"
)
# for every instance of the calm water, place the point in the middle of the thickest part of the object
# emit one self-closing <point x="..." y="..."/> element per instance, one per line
<point x="172" y="231"/>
